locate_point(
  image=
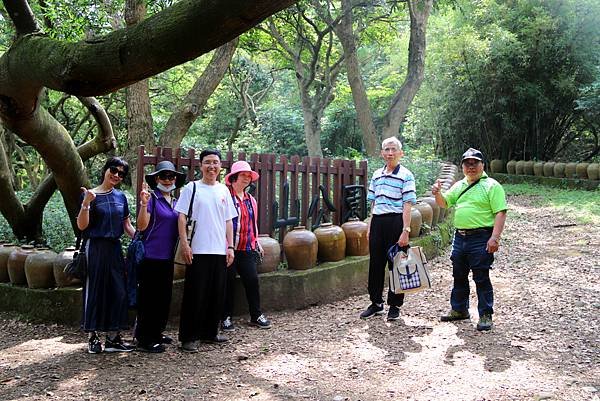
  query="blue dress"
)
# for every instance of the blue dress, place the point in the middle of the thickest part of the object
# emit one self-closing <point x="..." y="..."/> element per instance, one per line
<point x="104" y="291"/>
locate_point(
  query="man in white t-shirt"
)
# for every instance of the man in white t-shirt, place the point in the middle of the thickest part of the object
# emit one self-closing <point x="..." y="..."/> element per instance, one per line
<point x="210" y="253"/>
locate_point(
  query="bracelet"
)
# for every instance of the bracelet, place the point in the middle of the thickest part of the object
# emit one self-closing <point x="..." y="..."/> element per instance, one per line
<point x="231" y="247"/>
<point x="143" y="204"/>
<point x="85" y="207"/>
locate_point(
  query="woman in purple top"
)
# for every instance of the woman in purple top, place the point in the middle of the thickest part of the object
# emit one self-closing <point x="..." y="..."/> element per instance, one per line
<point x="157" y="220"/>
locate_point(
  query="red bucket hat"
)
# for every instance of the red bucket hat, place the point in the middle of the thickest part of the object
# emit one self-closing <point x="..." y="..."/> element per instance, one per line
<point x="238" y="167"/>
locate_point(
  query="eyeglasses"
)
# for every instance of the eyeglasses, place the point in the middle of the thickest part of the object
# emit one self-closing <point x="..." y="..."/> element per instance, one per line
<point x="471" y="163"/>
<point x="115" y="170"/>
<point x="389" y="150"/>
<point x="166" y="176"/>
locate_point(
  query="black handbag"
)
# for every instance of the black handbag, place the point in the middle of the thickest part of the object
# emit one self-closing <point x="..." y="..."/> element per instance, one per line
<point x="77" y="268"/>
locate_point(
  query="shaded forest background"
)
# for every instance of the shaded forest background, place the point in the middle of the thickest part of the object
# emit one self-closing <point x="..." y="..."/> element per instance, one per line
<point x="519" y="79"/>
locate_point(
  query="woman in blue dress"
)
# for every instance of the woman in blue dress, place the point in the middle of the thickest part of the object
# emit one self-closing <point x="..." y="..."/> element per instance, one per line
<point x="102" y="218"/>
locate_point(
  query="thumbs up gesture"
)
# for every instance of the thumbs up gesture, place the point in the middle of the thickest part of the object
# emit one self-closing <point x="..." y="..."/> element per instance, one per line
<point x="436" y="187"/>
<point x="144" y="194"/>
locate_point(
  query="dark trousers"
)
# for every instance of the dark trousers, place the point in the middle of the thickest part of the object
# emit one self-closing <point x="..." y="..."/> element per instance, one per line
<point x="203" y="297"/>
<point x="385" y="231"/>
<point x="155" y="287"/>
<point x="469" y="253"/>
<point x="244" y="264"/>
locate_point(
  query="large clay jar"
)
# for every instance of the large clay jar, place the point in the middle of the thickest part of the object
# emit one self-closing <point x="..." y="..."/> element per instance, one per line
<point x="416" y="220"/>
<point x="300" y="247"/>
<point x="435" y="208"/>
<point x="272" y="254"/>
<point x="511" y="167"/>
<point x="497" y="166"/>
<point x="593" y="171"/>
<point x="581" y="170"/>
<point x="520" y="167"/>
<point x="571" y="170"/>
<point x="426" y="213"/>
<point x="549" y="169"/>
<point x="16" y="264"/>
<point x="332" y="242"/>
<point x="39" y="269"/>
<point x="538" y="169"/>
<point x="5" y="251"/>
<point x="559" y="170"/>
<point x="58" y="267"/>
<point x="528" y="167"/>
<point x="357" y="242"/>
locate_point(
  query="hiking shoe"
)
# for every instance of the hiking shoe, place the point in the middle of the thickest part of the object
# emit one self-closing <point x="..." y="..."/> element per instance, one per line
<point x="218" y="339"/>
<point x="94" y="344"/>
<point x="227" y="324"/>
<point x="261" y="322"/>
<point x="190" y="346"/>
<point x="117" y="345"/>
<point x="393" y="313"/>
<point x="455" y="315"/>
<point x="485" y="322"/>
<point x="151" y="348"/>
<point x="372" y="310"/>
<point x="164" y="339"/>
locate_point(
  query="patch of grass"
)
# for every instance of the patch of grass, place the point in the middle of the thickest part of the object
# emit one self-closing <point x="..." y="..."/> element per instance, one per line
<point x="584" y="206"/>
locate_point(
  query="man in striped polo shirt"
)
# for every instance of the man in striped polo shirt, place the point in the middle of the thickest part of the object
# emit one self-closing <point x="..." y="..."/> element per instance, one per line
<point x="392" y="194"/>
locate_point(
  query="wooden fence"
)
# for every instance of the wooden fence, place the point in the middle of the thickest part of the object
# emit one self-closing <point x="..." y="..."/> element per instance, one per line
<point x="305" y="181"/>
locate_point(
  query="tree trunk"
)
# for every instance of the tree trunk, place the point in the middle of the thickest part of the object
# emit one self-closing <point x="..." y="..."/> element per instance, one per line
<point x="184" y="116"/>
<point x="419" y="13"/>
<point x="137" y="103"/>
<point x="312" y="126"/>
<point x="362" y="106"/>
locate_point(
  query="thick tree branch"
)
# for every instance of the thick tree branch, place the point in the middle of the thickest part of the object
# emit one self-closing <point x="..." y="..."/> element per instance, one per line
<point x="22" y="17"/>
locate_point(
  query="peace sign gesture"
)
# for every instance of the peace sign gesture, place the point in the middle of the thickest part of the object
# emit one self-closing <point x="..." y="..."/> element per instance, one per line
<point x="144" y="194"/>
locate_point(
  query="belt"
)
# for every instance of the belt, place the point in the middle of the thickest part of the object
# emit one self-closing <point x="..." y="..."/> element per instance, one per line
<point x="472" y="231"/>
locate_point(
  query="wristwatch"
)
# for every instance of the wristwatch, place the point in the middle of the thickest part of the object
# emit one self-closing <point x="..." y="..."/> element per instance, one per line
<point x="407" y="229"/>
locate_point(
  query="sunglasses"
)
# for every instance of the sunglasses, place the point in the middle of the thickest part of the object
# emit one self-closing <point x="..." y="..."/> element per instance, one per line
<point x="166" y="176"/>
<point x="115" y="170"/>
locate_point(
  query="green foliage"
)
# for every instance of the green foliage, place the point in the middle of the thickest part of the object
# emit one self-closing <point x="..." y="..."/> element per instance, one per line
<point x="584" y="206"/>
<point x="503" y="76"/>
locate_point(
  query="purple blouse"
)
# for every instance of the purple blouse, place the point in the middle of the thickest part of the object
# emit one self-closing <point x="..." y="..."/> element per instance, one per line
<point x="161" y="234"/>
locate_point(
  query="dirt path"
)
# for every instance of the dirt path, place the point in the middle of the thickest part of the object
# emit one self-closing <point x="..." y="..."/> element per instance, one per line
<point x="545" y="343"/>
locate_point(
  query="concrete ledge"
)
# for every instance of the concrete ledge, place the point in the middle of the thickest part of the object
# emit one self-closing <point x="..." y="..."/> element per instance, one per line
<point x="280" y="290"/>
<point x="572" y="183"/>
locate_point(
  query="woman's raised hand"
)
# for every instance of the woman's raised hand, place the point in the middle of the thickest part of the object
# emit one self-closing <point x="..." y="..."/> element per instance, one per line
<point x="144" y="194"/>
<point x="88" y="196"/>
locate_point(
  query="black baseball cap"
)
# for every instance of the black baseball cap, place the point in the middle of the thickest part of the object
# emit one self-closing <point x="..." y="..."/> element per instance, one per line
<point x="472" y="153"/>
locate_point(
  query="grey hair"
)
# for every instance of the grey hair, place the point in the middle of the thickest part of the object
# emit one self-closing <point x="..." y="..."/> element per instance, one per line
<point x="393" y="140"/>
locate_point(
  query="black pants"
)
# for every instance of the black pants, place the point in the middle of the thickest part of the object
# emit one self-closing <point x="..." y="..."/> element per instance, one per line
<point x="155" y="287"/>
<point x="244" y="264"/>
<point x="385" y="231"/>
<point x="203" y="296"/>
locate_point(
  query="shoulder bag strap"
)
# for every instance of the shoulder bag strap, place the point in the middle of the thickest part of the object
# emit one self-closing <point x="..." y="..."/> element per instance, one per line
<point x="189" y="215"/>
<point x="141" y="236"/>
<point x="467" y="188"/>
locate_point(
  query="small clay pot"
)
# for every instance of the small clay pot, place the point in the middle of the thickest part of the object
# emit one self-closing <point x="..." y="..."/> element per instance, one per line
<point x="58" y="267"/>
<point x="528" y="167"/>
<point x="511" y="167"/>
<point x="16" y="264"/>
<point x="332" y="242"/>
<point x="357" y="242"/>
<point x="559" y="170"/>
<point x="300" y="247"/>
<point x="549" y="169"/>
<point x="581" y="170"/>
<point x="435" y="208"/>
<point x="520" y="167"/>
<point x="571" y="170"/>
<point x="39" y="269"/>
<point x="5" y="251"/>
<point x="593" y="171"/>
<point x="538" y="169"/>
<point x="426" y="213"/>
<point x="272" y="254"/>
<point x="416" y="220"/>
<point x="498" y="166"/>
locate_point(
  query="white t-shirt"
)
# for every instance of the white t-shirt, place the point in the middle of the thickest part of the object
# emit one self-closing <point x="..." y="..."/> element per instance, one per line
<point x="212" y="207"/>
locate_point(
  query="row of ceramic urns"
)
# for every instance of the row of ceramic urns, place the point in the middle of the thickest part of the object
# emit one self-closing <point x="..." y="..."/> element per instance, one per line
<point x="583" y="171"/>
<point x="42" y="268"/>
